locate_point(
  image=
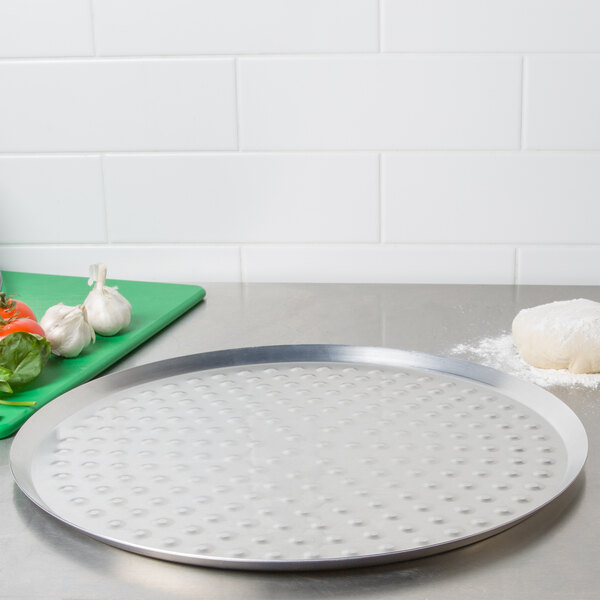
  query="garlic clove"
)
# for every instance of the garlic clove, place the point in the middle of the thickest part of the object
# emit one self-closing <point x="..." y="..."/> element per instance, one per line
<point x="67" y="329"/>
<point x="108" y="311"/>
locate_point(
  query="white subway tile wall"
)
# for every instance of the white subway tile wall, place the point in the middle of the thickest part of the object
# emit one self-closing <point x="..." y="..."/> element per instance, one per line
<point x="117" y="105"/>
<point x="380" y="264"/>
<point x="183" y="263"/>
<point x="491" y="198"/>
<point x="561" y="265"/>
<point x="233" y="198"/>
<point x="51" y="200"/>
<point x="36" y="28"/>
<point x="302" y="140"/>
<point x="382" y="102"/>
<point x="491" y="25"/>
<point x="159" y="27"/>
<point x="562" y="103"/>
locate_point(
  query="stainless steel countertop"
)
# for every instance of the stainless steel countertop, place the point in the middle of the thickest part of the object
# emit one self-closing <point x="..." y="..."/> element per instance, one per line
<point x="551" y="555"/>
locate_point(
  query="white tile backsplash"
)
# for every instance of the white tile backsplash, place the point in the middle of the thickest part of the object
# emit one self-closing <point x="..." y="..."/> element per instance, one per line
<point x="491" y="26"/>
<point x="380" y="103"/>
<point x="42" y="28"/>
<point x="492" y="198"/>
<point x="51" y="200"/>
<point x="559" y="266"/>
<point x="117" y="105"/>
<point x="172" y="264"/>
<point x="234" y="26"/>
<point x="380" y="264"/>
<point x="302" y="140"/>
<point x="243" y="198"/>
<point x="562" y="103"/>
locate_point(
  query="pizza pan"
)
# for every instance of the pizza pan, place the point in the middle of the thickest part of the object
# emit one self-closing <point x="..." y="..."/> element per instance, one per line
<point x="298" y="457"/>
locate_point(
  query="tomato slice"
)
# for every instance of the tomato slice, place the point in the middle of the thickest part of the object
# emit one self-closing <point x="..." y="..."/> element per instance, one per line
<point x="28" y="325"/>
<point x="14" y="309"/>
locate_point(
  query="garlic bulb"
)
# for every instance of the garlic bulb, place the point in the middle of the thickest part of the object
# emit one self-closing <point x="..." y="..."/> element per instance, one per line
<point x="67" y="329"/>
<point x="108" y="312"/>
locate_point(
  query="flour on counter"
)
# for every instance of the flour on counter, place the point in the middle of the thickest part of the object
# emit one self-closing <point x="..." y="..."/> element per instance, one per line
<point x="500" y="353"/>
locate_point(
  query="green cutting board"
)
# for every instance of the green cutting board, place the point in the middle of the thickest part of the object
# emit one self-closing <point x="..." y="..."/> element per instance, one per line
<point x="154" y="306"/>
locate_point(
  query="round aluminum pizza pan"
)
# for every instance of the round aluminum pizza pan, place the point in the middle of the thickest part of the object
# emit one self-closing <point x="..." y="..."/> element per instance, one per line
<point x="298" y="457"/>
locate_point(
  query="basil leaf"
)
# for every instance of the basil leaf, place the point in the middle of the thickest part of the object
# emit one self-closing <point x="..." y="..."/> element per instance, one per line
<point x="22" y="358"/>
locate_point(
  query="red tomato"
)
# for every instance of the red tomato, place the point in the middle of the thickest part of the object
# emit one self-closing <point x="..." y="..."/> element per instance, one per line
<point x="11" y="308"/>
<point x="28" y="325"/>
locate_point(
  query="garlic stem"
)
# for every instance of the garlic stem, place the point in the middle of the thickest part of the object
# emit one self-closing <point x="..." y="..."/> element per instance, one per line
<point x="99" y="275"/>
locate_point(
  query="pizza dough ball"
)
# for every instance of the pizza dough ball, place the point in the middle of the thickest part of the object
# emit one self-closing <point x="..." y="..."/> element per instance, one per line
<point x="560" y="335"/>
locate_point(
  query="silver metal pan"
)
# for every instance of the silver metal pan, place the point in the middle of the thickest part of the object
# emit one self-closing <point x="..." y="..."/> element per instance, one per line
<point x="298" y="457"/>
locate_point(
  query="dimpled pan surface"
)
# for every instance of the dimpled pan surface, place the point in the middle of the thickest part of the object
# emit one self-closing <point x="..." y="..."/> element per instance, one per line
<point x="298" y="457"/>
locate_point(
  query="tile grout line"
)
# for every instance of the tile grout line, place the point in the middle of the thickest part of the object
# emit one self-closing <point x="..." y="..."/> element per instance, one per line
<point x="380" y="198"/>
<point x="517" y="266"/>
<point x="307" y="243"/>
<point x="380" y="25"/>
<point x="208" y="56"/>
<point x="242" y="264"/>
<point x="222" y="244"/>
<point x="104" y="199"/>
<point x="303" y="152"/>
<point x="236" y="74"/>
<point x="93" y="25"/>
<point x="523" y="101"/>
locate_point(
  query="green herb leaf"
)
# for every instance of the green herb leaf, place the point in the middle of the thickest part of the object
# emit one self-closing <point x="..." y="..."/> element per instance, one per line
<point x="22" y="358"/>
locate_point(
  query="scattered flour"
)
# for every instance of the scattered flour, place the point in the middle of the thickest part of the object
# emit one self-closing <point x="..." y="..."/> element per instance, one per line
<point x="500" y="353"/>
